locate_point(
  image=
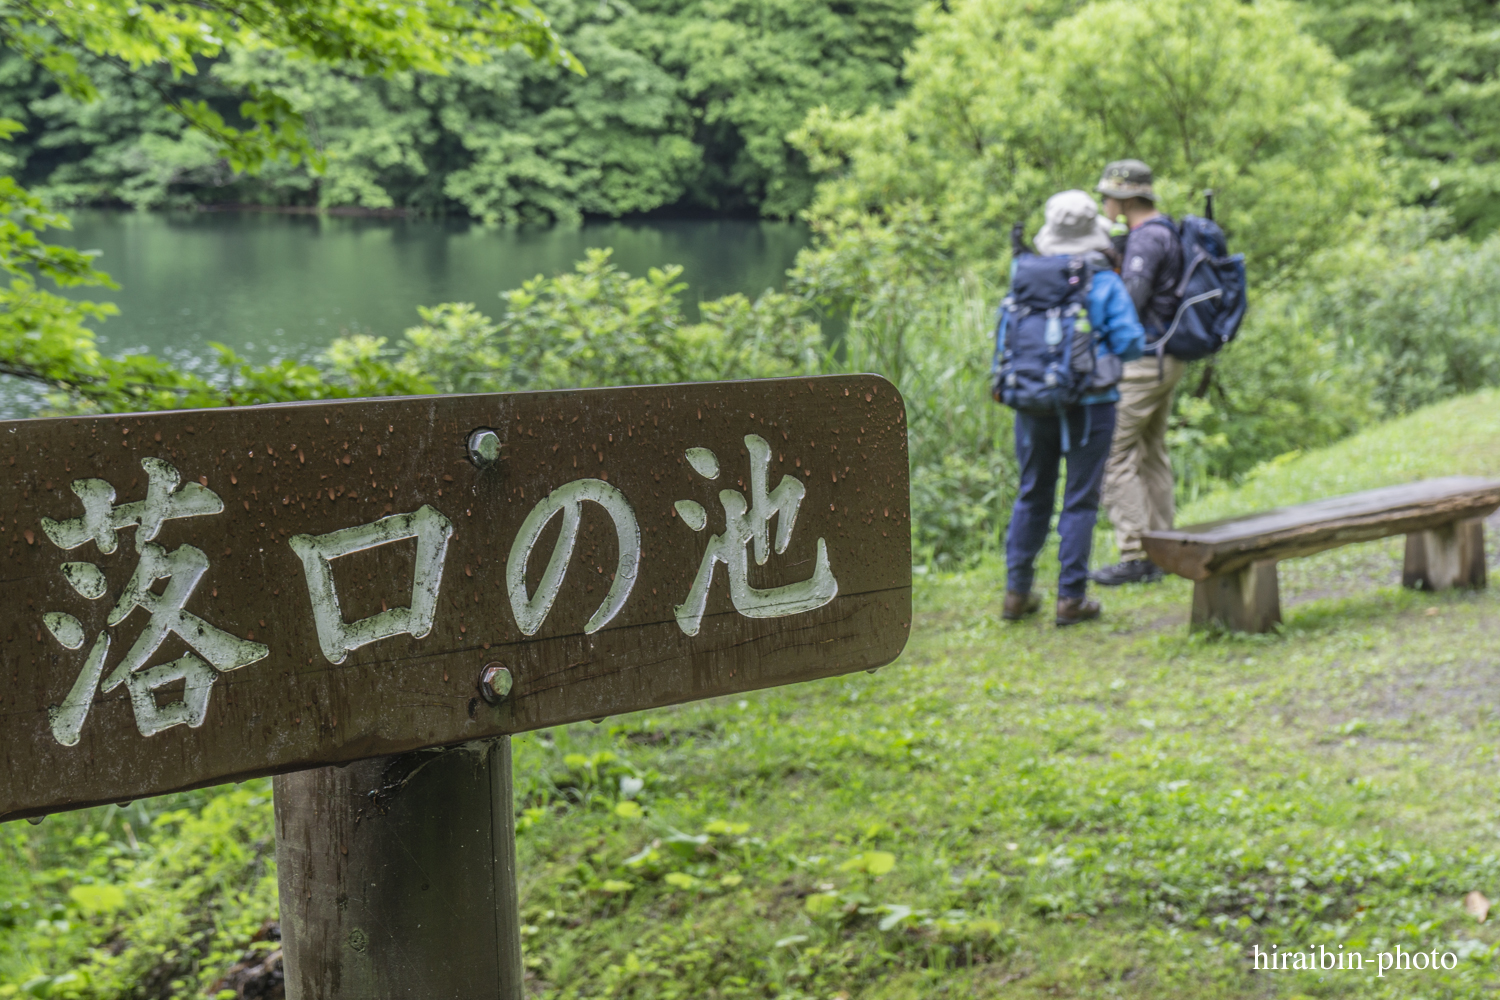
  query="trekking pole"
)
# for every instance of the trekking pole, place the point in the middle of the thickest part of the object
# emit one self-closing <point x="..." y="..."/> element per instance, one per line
<point x="1018" y="240"/>
<point x="1208" y="204"/>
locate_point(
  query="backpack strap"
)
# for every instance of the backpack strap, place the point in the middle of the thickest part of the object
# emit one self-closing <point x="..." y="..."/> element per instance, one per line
<point x="1163" y="220"/>
<point x="1087" y="270"/>
<point x="1187" y="272"/>
<point x="1212" y="293"/>
<point x="1002" y="312"/>
<point x="1159" y="346"/>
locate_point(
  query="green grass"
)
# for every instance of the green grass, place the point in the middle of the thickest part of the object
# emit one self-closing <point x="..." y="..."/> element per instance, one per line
<point x="1457" y="437"/>
<point x="1116" y="810"/>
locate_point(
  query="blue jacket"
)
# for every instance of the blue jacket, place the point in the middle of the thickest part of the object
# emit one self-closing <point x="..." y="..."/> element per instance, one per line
<point x="1112" y="314"/>
<point x="1117" y="329"/>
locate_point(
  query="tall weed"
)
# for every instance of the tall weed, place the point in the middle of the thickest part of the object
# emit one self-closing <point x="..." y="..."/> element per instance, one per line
<point x="905" y="316"/>
<point x="1421" y="324"/>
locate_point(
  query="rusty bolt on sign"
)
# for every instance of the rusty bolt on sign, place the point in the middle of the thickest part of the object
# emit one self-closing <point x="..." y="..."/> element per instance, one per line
<point x="495" y="683"/>
<point x="484" y="447"/>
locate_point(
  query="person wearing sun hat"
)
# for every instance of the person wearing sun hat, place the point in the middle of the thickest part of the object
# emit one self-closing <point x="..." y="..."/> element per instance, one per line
<point x="1072" y="225"/>
<point x="1074" y="228"/>
<point x="1138" y="488"/>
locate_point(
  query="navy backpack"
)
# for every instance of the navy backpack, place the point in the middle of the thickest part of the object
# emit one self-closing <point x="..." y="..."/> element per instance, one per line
<point x="1212" y="291"/>
<point x="1044" y="344"/>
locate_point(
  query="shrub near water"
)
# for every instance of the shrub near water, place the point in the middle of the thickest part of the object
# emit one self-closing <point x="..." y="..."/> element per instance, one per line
<point x="1374" y="329"/>
<point x="595" y="326"/>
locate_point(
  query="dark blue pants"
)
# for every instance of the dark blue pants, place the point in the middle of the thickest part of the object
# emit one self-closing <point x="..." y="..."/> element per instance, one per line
<point x="1039" y="454"/>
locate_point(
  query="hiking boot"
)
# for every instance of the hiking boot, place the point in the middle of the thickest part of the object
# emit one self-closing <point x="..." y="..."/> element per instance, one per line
<point x="1127" y="571"/>
<point x="1018" y="605"/>
<point x="1072" y="610"/>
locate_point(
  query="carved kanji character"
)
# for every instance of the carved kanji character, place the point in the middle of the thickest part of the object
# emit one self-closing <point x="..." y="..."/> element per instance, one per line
<point x="748" y="522"/>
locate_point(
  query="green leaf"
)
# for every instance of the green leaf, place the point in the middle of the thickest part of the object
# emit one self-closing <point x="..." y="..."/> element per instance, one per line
<point x="98" y="898"/>
<point x="681" y="880"/>
<point x="721" y="828"/>
<point x="820" y="904"/>
<point x="870" y="862"/>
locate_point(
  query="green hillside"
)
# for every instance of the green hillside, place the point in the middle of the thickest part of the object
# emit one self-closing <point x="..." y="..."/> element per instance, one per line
<point x="1115" y="811"/>
<point x="1457" y="437"/>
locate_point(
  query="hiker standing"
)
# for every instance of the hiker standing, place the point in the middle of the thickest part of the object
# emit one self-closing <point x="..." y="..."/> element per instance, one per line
<point x="1138" y="478"/>
<point x="1065" y="330"/>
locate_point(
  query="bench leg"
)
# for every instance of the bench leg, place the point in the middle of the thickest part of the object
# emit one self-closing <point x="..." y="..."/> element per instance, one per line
<point x="1450" y="556"/>
<point x="1248" y="600"/>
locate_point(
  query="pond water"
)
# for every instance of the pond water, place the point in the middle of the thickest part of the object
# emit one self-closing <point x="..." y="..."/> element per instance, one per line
<point x="276" y="286"/>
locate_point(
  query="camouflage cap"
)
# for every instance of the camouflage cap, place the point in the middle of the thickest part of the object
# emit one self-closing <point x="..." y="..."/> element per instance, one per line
<point x="1126" y="179"/>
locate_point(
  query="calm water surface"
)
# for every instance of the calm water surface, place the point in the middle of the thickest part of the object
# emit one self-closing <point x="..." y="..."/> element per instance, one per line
<point x="276" y="286"/>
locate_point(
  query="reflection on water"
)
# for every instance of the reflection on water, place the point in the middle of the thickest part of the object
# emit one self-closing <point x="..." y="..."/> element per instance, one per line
<point x="275" y="286"/>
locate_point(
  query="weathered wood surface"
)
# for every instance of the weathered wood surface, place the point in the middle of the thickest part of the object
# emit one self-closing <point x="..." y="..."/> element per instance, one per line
<point x="309" y="470"/>
<point x="1450" y="555"/>
<point x="397" y="878"/>
<point x="1243" y="600"/>
<point x="1204" y="550"/>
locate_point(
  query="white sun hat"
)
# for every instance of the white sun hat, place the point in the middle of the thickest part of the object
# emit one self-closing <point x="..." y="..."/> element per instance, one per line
<point x="1073" y="225"/>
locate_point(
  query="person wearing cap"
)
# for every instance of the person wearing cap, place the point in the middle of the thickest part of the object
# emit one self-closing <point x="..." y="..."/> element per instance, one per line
<point x="1073" y="227"/>
<point x="1138" y="477"/>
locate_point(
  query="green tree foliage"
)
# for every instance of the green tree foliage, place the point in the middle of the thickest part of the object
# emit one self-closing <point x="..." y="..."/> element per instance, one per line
<point x="367" y="37"/>
<point x="752" y="68"/>
<point x="1010" y="100"/>
<point x="1429" y="75"/>
<point x="43" y="336"/>
<point x="685" y="102"/>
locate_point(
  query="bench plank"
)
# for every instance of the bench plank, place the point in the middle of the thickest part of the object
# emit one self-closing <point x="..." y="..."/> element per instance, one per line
<point x="1226" y="546"/>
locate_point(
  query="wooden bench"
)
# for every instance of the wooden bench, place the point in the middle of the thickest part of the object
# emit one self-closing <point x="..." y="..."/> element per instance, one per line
<point x="1233" y="562"/>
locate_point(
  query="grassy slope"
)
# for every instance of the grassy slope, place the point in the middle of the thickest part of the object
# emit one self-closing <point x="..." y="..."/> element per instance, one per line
<point x="1459" y="437"/>
<point x="1115" y="810"/>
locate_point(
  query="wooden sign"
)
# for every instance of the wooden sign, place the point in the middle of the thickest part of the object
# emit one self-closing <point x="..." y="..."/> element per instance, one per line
<point x="211" y="595"/>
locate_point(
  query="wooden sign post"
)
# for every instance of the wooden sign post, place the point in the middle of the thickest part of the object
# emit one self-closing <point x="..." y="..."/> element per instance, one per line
<point x="206" y="596"/>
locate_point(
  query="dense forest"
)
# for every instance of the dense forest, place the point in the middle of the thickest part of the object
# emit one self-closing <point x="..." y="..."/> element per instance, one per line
<point x="686" y="104"/>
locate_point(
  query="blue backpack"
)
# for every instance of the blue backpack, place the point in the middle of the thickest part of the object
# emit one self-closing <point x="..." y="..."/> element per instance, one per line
<point x="1044" y="344"/>
<point x="1212" y="292"/>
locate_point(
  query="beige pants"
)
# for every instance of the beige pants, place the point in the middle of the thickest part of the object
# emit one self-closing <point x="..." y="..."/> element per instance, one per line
<point x="1138" y="477"/>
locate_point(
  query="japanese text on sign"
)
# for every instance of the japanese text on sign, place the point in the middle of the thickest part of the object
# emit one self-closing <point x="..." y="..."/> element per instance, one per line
<point x="748" y="523"/>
